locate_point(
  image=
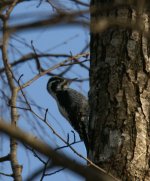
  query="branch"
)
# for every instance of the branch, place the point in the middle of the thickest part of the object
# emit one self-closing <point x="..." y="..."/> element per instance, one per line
<point x="31" y="56"/>
<point x="5" y="158"/>
<point x="60" y="19"/>
<point x="16" y="168"/>
<point x="63" y="63"/>
<point x="81" y="3"/>
<point x="52" y="173"/>
<point x="57" y="158"/>
<point x="5" y="174"/>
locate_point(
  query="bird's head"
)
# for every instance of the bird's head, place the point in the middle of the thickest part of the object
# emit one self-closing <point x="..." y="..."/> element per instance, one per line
<point x="58" y="83"/>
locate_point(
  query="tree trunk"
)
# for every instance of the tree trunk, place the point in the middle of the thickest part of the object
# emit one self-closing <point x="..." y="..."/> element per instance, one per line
<point x="120" y="93"/>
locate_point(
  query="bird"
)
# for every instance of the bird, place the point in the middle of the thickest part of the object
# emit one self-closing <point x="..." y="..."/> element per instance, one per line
<point x="72" y="105"/>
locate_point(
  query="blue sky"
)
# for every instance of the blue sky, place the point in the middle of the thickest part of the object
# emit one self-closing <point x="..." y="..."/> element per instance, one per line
<point x="52" y="40"/>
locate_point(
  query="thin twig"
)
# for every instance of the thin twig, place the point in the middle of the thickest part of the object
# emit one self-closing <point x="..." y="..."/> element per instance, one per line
<point x="5" y="158"/>
<point x="59" y="170"/>
<point x="36" y="58"/>
<point x="81" y="3"/>
<point x="50" y="69"/>
<point x="44" y="170"/>
<point x="5" y="174"/>
<point x="68" y="145"/>
<point x="45" y="117"/>
<point x="35" y="154"/>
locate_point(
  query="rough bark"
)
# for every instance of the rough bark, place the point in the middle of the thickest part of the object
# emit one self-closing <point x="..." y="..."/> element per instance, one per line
<point x="120" y="95"/>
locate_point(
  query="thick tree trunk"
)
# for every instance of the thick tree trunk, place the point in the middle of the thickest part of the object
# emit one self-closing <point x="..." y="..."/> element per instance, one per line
<point x="120" y="95"/>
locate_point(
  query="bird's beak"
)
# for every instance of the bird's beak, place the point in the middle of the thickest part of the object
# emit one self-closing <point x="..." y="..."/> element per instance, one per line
<point x="69" y="81"/>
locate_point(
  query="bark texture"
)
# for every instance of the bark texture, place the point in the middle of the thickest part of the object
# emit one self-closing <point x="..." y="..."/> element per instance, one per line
<point x="120" y="95"/>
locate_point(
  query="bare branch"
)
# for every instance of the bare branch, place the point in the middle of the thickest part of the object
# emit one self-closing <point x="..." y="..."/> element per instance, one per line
<point x="5" y="158"/>
<point x="57" y="158"/>
<point x="16" y="168"/>
<point x="62" y="18"/>
<point x="59" y="170"/>
<point x="31" y="56"/>
<point x="5" y="174"/>
<point x="63" y="63"/>
<point x="81" y="3"/>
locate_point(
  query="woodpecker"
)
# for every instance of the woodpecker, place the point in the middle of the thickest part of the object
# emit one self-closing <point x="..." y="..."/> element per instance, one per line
<point x="71" y="104"/>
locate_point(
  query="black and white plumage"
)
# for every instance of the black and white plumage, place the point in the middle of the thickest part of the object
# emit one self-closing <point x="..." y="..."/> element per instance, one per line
<point x="71" y="104"/>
